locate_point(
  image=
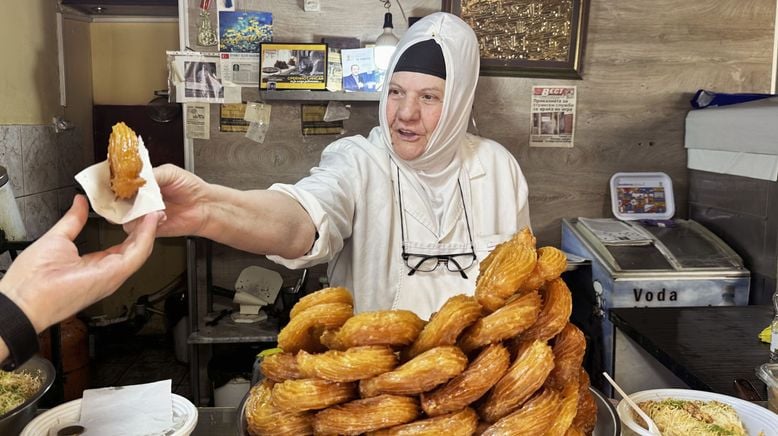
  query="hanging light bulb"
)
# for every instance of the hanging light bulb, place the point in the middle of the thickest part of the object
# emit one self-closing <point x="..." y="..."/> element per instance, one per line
<point x="385" y="44"/>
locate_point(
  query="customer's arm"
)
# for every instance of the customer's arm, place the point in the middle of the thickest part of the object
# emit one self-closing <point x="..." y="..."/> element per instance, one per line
<point x="50" y="281"/>
<point x="259" y="221"/>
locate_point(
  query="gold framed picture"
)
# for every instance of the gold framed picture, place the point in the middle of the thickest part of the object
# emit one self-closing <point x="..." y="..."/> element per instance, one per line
<point x="292" y="66"/>
<point x="527" y="38"/>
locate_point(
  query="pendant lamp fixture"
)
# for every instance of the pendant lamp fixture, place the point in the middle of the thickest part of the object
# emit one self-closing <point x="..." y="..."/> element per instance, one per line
<point x="386" y="42"/>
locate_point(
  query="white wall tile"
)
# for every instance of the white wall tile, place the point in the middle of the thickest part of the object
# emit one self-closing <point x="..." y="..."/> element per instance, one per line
<point x="70" y="157"/>
<point x="39" y="159"/>
<point x="11" y="156"/>
<point x="5" y="262"/>
<point x="65" y="199"/>
<point x="40" y="213"/>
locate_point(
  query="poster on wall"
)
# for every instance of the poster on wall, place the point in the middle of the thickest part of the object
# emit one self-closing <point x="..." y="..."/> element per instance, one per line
<point x="552" y="115"/>
<point x="242" y="32"/>
<point x="231" y="118"/>
<point x="198" y="121"/>
<point x="359" y="70"/>
<point x="293" y="66"/>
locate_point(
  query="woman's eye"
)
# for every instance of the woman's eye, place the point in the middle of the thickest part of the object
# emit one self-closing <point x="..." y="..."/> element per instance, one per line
<point x="430" y="98"/>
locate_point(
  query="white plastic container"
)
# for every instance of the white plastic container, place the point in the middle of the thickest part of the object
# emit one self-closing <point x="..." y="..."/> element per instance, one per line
<point x="768" y="373"/>
<point x="642" y="196"/>
<point x="231" y="393"/>
<point x="10" y="219"/>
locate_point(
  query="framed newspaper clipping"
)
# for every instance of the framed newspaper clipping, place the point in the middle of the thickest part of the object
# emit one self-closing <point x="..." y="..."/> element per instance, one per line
<point x="292" y="66"/>
<point x="527" y="38"/>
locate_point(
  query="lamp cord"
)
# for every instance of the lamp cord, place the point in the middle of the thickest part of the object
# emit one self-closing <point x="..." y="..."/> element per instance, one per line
<point x="388" y="5"/>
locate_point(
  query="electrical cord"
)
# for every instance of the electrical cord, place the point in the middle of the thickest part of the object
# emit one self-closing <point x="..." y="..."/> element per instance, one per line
<point x="388" y="5"/>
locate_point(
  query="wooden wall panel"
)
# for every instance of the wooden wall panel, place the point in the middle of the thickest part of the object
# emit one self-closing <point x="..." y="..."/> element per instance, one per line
<point x="642" y="63"/>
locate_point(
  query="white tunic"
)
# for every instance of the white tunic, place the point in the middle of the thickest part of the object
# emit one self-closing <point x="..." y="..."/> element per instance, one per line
<point x="352" y="199"/>
<point x="352" y="195"/>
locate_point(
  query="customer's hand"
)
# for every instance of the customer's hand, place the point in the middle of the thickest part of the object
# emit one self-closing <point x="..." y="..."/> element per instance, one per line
<point x="50" y="281"/>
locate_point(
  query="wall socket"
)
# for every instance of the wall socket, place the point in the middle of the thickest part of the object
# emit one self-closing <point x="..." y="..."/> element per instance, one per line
<point x="311" y="5"/>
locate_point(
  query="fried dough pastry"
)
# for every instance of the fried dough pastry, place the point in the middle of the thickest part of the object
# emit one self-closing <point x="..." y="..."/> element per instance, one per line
<point x="472" y="384"/>
<point x="395" y="328"/>
<point x="506" y="322"/>
<point x="263" y="418"/>
<point x="569" y="348"/>
<point x="280" y="367"/>
<point x="533" y="418"/>
<point x="586" y="415"/>
<point x="551" y="263"/>
<point x="420" y="374"/>
<point x="362" y="416"/>
<point x="504" y="270"/>
<point x="523" y="236"/>
<point x="524" y="377"/>
<point x="298" y="396"/>
<point x="346" y="366"/>
<point x="457" y="313"/>
<point x="567" y="410"/>
<point x="124" y="161"/>
<point x="481" y="428"/>
<point x="298" y="333"/>
<point x="461" y="423"/>
<point x="574" y="431"/>
<point x="557" y="307"/>
<point x="322" y="296"/>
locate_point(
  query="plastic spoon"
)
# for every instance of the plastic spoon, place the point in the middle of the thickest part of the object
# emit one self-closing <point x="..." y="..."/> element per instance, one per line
<point x="652" y="428"/>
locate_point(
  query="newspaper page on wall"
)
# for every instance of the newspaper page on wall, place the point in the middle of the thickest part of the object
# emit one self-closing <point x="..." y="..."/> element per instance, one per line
<point x="197" y="78"/>
<point x="553" y="116"/>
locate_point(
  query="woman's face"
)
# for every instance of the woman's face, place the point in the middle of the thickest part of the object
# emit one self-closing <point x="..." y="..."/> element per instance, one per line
<point x="413" y="110"/>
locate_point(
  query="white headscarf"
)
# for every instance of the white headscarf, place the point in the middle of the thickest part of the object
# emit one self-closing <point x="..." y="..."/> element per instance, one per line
<point x="436" y="171"/>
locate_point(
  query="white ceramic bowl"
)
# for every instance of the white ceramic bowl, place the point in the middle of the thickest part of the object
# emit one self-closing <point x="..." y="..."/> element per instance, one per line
<point x="755" y="418"/>
<point x="184" y="418"/>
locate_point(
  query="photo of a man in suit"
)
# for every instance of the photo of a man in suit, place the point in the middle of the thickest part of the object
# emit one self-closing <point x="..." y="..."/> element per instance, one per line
<point x="356" y="81"/>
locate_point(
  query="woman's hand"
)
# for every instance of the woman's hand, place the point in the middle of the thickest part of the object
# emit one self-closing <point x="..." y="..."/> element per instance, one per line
<point x="50" y="281"/>
<point x="185" y="202"/>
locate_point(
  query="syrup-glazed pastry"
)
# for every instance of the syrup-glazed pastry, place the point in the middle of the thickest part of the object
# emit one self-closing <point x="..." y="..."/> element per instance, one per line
<point x="124" y="161"/>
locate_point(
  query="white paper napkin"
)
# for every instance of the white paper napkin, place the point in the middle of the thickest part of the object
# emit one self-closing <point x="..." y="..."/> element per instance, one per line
<point x="134" y="410"/>
<point x="96" y="182"/>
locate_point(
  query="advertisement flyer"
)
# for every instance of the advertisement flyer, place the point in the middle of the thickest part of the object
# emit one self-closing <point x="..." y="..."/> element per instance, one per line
<point x="553" y="116"/>
<point x="198" y="121"/>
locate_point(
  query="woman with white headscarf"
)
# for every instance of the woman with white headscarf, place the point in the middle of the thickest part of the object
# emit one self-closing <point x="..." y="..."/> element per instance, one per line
<point x="403" y="216"/>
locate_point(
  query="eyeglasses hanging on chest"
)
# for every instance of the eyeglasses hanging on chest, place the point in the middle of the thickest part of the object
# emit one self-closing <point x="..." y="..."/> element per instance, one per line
<point x="454" y="262"/>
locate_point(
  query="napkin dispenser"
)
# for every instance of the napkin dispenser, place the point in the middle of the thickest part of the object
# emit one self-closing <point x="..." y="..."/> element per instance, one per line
<point x="255" y="287"/>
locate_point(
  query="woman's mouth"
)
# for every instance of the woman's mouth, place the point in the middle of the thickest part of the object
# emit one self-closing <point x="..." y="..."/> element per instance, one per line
<point x="407" y="135"/>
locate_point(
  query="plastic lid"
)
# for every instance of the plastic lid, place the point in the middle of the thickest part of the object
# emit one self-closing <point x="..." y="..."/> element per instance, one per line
<point x="642" y="196"/>
<point x="768" y="373"/>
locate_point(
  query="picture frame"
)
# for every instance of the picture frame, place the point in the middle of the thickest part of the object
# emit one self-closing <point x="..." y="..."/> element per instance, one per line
<point x="527" y="38"/>
<point x="301" y="66"/>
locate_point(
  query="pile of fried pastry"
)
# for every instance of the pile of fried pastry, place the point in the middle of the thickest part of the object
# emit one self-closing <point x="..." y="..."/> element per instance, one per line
<point x="505" y="361"/>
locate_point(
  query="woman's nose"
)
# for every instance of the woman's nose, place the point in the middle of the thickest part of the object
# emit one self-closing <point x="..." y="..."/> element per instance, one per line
<point x="409" y="109"/>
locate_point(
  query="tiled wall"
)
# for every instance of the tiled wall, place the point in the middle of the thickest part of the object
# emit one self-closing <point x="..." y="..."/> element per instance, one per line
<point x="41" y="165"/>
